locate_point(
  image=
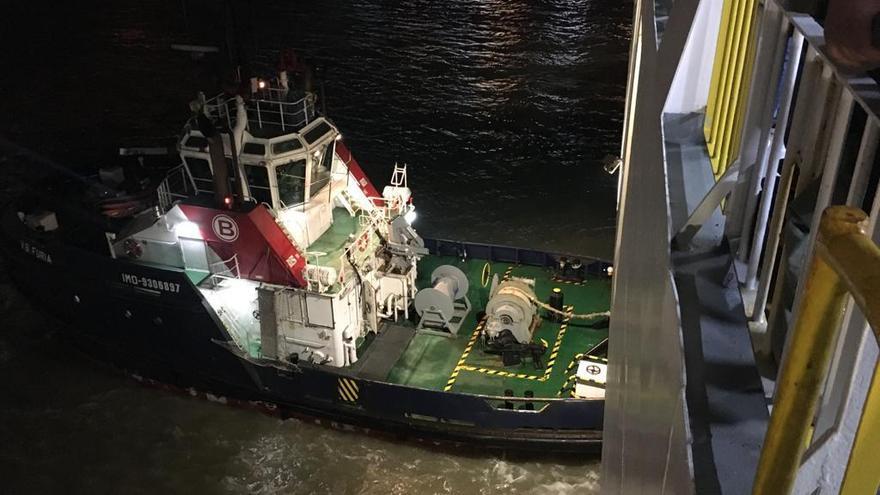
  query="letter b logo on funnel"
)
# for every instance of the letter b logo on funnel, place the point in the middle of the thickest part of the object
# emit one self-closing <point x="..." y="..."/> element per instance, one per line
<point x="225" y="228"/>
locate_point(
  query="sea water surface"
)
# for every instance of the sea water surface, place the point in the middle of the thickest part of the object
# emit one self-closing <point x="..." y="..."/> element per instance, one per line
<point x="503" y="111"/>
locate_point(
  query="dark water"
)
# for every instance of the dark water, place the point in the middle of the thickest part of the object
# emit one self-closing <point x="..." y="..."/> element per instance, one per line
<point x="503" y="111"/>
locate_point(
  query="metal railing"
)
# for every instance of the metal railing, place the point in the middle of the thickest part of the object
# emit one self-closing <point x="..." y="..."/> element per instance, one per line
<point x="177" y="184"/>
<point x="821" y="118"/>
<point x="228" y="269"/>
<point x="271" y="109"/>
<point x="810" y="140"/>
<point x="846" y="262"/>
<point x="803" y="125"/>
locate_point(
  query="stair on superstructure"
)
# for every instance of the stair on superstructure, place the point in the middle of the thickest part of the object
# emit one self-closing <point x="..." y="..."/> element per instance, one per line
<point x="349" y="203"/>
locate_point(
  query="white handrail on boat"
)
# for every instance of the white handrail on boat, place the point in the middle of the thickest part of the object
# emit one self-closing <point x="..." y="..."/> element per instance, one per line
<point x="175" y="185"/>
<point x="271" y="111"/>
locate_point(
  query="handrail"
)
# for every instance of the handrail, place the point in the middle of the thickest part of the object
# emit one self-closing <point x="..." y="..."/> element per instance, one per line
<point x="175" y="185"/>
<point x="234" y="271"/>
<point x="846" y="262"/>
<point x="267" y="111"/>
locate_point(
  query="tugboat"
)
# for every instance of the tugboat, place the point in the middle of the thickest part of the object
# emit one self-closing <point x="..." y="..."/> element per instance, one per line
<point x="267" y="269"/>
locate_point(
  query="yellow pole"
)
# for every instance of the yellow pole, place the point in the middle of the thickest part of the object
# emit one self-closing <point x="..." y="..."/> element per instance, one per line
<point x="723" y="96"/>
<point x="811" y="347"/>
<point x="715" y="82"/>
<point x="862" y="473"/>
<point x="719" y="131"/>
<point x="741" y="110"/>
<point x="740" y="85"/>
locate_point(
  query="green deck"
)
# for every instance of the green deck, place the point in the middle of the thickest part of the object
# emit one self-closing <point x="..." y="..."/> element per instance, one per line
<point x="332" y="242"/>
<point x="431" y="361"/>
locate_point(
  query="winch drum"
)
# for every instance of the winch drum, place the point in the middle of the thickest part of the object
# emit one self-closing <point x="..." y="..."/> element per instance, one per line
<point x="436" y="305"/>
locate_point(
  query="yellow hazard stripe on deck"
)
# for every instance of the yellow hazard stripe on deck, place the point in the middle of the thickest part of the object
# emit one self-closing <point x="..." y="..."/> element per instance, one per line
<point x="508" y="374"/>
<point x="348" y="389"/>
<point x="554" y="353"/>
<point x="464" y="355"/>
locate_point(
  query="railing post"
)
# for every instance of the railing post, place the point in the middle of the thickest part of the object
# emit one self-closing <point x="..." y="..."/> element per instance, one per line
<point x="813" y="88"/>
<point x="864" y="163"/>
<point x="281" y="112"/>
<point x="306" y="109"/>
<point x="259" y="116"/>
<point x="772" y="165"/>
<point x="839" y="120"/>
<point x="764" y="90"/>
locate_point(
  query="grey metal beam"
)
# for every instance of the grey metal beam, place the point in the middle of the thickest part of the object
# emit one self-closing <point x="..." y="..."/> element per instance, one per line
<point x="703" y="212"/>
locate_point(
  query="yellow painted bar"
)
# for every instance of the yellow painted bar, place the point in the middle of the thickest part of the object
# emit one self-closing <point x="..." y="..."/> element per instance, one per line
<point x="741" y="80"/>
<point x="734" y="40"/>
<point x="723" y="90"/>
<point x="862" y="473"/>
<point x="729" y="86"/>
<point x="858" y="262"/>
<point x="721" y="62"/>
<point x="723" y="28"/>
<point x="857" y="259"/>
<point x="744" y="94"/>
<point x="846" y="261"/>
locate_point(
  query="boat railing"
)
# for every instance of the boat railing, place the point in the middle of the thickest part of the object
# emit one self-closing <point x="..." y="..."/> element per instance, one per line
<point x="178" y="184"/>
<point x="593" y="267"/>
<point x="775" y="132"/>
<point x="269" y="109"/>
<point x="224" y="270"/>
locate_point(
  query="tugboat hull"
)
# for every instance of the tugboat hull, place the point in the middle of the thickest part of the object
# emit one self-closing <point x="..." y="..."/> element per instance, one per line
<point x="155" y="324"/>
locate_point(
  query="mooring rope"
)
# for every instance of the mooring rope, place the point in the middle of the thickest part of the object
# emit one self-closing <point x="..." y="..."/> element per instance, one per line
<point x="583" y="316"/>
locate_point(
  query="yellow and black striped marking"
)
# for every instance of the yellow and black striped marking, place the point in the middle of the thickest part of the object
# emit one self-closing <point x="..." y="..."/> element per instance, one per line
<point x="464" y="356"/>
<point x="569" y="382"/>
<point x="348" y="389"/>
<point x="554" y="352"/>
<point x="507" y="374"/>
<point x="571" y="378"/>
<point x="507" y="273"/>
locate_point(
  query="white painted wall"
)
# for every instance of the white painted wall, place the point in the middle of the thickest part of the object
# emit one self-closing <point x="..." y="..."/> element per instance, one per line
<point x="690" y="87"/>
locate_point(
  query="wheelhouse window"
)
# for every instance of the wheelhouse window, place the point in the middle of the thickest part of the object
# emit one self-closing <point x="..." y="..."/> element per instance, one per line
<point x="320" y="174"/>
<point x="258" y="183"/>
<point x="317" y="132"/>
<point x="291" y="182"/>
<point x="292" y="144"/>
<point x="197" y="142"/>
<point x="258" y="149"/>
